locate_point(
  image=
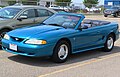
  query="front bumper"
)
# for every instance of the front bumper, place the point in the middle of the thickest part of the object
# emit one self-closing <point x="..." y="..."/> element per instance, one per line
<point x="109" y="14"/>
<point x="28" y="50"/>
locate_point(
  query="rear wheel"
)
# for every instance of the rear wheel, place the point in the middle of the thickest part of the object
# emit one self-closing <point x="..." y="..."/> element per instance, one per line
<point x="109" y="44"/>
<point x="61" y="52"/>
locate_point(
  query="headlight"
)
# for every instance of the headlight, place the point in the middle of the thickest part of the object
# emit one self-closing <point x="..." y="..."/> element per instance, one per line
<point x="35" y="41"/>
<point x="6" y="36"/>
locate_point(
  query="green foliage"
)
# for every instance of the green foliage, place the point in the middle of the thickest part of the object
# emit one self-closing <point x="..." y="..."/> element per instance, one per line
<point x="65" y="2"/>
<point x="25" y="2"/>
<point x="11" y="2"/>
<point x="88" y="3"/>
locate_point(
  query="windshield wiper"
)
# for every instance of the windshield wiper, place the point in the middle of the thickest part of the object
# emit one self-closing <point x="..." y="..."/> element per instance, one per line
<point x="57" y="25"/>
<point x="54" y="24"/>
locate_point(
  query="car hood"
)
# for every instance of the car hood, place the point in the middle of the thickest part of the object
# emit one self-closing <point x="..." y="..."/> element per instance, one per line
<point x="111" y="10"/>
<point x="33" y="31"/>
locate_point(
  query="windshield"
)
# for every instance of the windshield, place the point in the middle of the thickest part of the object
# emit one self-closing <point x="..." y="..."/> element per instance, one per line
<point x="68" y="21"/>
<point x="8" y="12"/>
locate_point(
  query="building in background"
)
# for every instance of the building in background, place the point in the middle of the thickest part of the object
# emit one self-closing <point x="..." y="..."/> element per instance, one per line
<point x="29" y="2"/>
<point x="46" y="3"/>
<point x="25" y="2"/>
<point x="112" y="2"/>
<point x="3" y="3"/>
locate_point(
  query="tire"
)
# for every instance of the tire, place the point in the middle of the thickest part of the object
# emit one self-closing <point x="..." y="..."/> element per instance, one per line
<point x="116" y="15"/>
<point x="2" y="32"/>
<point x="58" y="55"/>
<point x="105" y="15"/>
<point x="109" y="44"/>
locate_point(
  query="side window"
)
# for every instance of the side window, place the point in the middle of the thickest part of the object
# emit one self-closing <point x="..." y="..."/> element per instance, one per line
<point x="29" y="13"/>
<point x="50" y="13"/>
<point x="44" y="12"/>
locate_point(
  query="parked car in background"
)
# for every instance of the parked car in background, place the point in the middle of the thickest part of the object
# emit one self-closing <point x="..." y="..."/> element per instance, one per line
<point x="60" y="8"/>
<point x="54" y="7"/>
<point x="93" y="10"/>
<point x="61" y="35"/>
<point x="13" y="17"/>
<point x="114" y="11"/>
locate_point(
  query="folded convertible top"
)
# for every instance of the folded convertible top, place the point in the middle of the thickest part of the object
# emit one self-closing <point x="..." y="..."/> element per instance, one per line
<point x="96" y="22"/>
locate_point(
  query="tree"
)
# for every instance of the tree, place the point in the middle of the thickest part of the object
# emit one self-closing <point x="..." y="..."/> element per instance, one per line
<point x="63" y="2"/>
<point x="26" y="2"/>
<point x="88" y="3"/>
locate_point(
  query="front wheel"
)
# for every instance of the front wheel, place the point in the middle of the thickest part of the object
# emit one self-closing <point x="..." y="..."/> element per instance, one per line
<point x="109" y="44"/>
<point x="105" y="15"/>
<point x="2" y="33"/>
<point x="61" y="52"/>
<point x="116" y="15"/>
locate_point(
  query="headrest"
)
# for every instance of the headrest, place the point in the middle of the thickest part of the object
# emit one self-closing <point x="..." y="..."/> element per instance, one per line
<point x="87" y="21"/>
<point x="104" y="23"/>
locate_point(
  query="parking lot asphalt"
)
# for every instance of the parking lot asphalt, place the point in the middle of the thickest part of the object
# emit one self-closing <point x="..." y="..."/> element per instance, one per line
<point x="94" y="63"/>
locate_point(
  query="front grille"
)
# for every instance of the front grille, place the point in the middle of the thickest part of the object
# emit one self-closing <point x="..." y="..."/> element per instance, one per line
<point x="17" y="39"/>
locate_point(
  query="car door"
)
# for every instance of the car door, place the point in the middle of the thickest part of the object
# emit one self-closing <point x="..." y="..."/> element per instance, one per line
<point x="88" y="38"/>
<point x="28" y="21"/>
<point x="42" y="14"/>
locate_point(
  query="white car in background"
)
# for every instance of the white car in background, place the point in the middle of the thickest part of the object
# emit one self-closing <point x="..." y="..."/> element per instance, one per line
<point x="93" y="9"/>
<point x="59" y="8"/>
<point x="54" y="7"/>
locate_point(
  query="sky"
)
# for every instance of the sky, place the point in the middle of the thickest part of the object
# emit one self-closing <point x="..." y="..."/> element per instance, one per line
<point x="101" y="2"/>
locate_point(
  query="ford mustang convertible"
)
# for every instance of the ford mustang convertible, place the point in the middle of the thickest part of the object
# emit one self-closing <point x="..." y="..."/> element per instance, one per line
<point x="61" y="35"/>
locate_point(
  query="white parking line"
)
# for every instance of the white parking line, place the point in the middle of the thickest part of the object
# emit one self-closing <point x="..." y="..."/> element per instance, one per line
<point x="80" y="65"/>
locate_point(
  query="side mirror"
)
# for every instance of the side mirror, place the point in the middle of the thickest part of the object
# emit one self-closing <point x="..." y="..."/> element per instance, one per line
<point x="21" y="18"/>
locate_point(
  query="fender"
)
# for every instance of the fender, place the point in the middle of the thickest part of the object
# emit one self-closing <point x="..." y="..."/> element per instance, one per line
<point x="6" y="27"/>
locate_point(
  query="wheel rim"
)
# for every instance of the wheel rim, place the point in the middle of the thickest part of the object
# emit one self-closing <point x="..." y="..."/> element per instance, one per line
<point x="63" y="52"/>
<point x="110" y="43"/>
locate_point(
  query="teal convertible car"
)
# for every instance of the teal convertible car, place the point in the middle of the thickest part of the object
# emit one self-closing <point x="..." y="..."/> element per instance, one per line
<point x="61" y="35"/>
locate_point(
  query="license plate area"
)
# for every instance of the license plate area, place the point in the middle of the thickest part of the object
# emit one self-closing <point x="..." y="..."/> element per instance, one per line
<point x="13" y="47"/>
